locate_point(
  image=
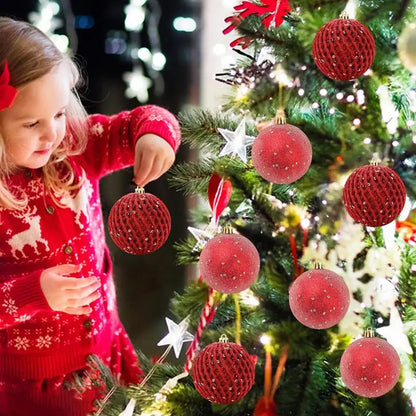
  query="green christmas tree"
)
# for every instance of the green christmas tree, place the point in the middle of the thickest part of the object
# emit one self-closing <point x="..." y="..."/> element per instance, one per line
<point x="297" y="219"/>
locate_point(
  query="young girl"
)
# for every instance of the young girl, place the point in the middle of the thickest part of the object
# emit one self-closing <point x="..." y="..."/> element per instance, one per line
<point x="57" y="299"/>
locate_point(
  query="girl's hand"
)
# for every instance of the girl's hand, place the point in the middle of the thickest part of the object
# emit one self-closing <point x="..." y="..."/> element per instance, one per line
<point x="154" y="156"/>
<point x="69" y="294"/>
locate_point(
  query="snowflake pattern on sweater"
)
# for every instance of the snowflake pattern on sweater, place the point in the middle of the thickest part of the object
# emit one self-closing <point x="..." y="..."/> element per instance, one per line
<point x="35" y="341"/>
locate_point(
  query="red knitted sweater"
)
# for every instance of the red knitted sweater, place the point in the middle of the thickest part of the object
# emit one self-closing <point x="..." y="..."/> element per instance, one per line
<point x="35" y="341"/>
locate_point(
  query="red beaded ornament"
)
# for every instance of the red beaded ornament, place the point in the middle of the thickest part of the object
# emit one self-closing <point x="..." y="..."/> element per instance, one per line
<point x="139" y="223"/>
<point x="343" y="49"/>
<point x="223" y="372"/>
<point x="229" y="263"/>
<point x="374" y="195"/>
<point x="281" y="153"/>
<point x="319" y="298"/>
<point x="370" y="367"/>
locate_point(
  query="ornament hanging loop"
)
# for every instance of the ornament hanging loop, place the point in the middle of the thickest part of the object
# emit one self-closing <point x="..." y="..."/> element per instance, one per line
<point x="139" y="190"/>
<point x="280" y="116"/>
<point x="369" y="333"/>
<point x="344" y="15"/>
<point x="223" y="338"/>
<point x="317" y="265"/>
<point x="228" y="229"/>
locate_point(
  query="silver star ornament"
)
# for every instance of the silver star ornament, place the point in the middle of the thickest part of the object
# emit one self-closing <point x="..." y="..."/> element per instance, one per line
<point x="237" y="141"/>
<point x="177" y="335"/>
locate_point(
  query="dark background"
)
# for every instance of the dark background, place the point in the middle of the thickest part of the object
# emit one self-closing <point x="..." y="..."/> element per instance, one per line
<point x="145" y="284"/>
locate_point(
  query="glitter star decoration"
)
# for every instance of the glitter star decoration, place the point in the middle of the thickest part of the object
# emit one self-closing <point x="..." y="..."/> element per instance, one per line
<point x="202" y="237"/>
<point x="177" y="335"/>
<point x="237" y="141"/>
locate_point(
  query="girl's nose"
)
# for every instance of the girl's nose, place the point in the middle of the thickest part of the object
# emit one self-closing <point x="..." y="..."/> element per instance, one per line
<point x="49" y="133"/>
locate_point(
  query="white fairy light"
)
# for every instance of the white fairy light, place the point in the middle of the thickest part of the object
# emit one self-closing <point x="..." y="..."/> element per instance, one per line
<point x="414" y="139"/>
<point x="135" y="15"/>
<point x="360" y="97"/>
<point x="265" y="339"/>
<point x="356" y="122"/>
<point x="332" y="110"/>
<point x="315" y="105"/>
<point x="323" y="92"/>
<point x="367" y="140"/>
<point x="395" y="143"/>
<point x="339" y="95"/>
<point x="350" y="98"/>
<point x="301" y="92"/>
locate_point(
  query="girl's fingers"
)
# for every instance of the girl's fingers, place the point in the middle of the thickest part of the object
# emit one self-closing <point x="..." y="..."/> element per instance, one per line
<point x="66" y="268"/>
<point x="84" y="310"/>
<point x="73" y="283"/>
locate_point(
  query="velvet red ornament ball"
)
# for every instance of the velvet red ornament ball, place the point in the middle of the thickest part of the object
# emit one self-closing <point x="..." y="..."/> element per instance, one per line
<point x="370" y="367"/>
<point x="139" y="223"/>
<point x="319" y="298"/>
<point x="281" y="153"/>
<point x="223" y="372"/>
<point x="343" y="49"/>
<point x="374" y="195"/>
<point x="229" y="263"/>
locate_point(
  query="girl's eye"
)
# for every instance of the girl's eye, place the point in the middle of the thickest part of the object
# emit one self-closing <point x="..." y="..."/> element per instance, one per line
<point x="31" y="125"/>
<point x="60" y="114"/>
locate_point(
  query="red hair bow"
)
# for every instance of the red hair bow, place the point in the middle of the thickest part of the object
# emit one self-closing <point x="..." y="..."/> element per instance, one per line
<point x="7" y="92"/>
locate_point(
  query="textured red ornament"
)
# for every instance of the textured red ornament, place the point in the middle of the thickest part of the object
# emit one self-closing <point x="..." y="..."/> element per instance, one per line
<point x="139" y="223"/>
<point x="374" y="195"/>
<point x="370" y="367"/>
<point x="219" y="194"/>
<point x="265" y="407"/>
<point x="281" y="153"/>
<point x="223" y="372"/>
<point x="343" y="49"/>
<point x="229" y="263"/>
<point x="271" y="10"/>
<point x="319" y="298"/>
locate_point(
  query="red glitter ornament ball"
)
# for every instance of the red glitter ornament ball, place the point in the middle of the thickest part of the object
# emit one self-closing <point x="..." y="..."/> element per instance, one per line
<point x="343" y="49"/>
<point x="223" y="372"/>
<point x="319" y="298"/>
<point x="229" y="263"/>
<point x="139" y="223"/>
<point x="370" y="367"/>
<point x="374" y="195"/>
<point x="281" y="153"/>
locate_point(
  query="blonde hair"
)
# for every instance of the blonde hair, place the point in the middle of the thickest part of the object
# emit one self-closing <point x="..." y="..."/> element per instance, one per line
<point x="30" y="54"/>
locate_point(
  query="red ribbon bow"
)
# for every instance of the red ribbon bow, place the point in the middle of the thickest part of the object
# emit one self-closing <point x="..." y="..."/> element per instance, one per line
<point x="7" y="92"/>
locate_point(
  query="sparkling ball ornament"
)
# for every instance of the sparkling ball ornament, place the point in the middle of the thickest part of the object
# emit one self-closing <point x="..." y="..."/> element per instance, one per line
<point x="319" y="298"/>
<point x="139" y="223"/>
<point x="343" y="49"/>
<point x="406" y="47"/>
<point x="229" y="263"/>
<point x="223" y="372"/>
<point x="370" y="367"/>
<point x="281" y="153"/>
<point x="374" y="195"/>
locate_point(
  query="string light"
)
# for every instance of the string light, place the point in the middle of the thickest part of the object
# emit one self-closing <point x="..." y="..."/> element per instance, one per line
<point x="147" y="62"/>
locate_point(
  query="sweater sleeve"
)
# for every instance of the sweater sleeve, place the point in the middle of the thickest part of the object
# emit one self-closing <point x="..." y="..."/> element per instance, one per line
<point x="21" y="299"/>
<point x="112" y="139"/>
